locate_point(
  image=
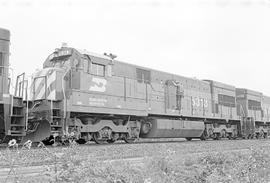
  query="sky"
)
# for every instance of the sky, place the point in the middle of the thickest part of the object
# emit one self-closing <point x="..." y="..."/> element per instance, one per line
<point x="222" y="40"/>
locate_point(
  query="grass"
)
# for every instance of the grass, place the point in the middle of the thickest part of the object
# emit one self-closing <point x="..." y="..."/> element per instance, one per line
<point x="165" y="163"/>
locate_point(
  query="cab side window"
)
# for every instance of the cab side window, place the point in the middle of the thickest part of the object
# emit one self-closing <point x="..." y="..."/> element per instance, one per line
<point x="85" y="65"/>
<point x="143" y="76"/>
<point x="98" y="69"/>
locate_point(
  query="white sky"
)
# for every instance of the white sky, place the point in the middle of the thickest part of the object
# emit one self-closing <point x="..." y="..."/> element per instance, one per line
<point x="223" y="40"/>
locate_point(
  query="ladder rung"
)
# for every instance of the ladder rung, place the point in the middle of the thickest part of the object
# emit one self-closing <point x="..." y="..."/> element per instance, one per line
<point x="55" y="131"/>
<point x="60" y="126"/>
<point x="30" y="118"/>
<point x="18" y="106"/>
<point x="16" y="131"/>
<point x="17" y="97"/>
<point x="18" y="134"/>
<point x="56" y="108"/>
<point x="56" y="117"/>
<point x="17" y="116"/>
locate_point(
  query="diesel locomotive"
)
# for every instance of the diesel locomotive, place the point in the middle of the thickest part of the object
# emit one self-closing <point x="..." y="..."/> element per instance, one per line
<point x="12" y="108"/>
<point x="94" y="97"/>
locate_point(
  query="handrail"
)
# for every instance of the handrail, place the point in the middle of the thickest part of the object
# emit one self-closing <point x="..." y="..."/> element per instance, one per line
<point x="242" y="109"/>
<point x="51" y="103"/>
<point x="27" y="106"/>
<point x="19" y="88"/>
<point x="64" y="92"/>
<point x="11" y="107"/>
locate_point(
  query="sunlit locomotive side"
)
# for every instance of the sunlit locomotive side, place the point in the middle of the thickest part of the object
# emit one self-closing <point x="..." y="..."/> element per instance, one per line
<point x="88" y="96"/>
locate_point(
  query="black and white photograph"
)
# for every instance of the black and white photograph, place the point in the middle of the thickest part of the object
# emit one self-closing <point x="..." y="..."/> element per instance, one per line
<point x="134" y="91"/>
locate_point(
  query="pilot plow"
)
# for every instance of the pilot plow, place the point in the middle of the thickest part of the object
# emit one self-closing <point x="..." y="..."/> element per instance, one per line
<point x="38" y="130"/>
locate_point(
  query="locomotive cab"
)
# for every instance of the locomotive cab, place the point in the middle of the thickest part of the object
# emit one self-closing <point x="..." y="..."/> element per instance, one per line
<point x="46" y="95"/>
<point x="65" y="71"/>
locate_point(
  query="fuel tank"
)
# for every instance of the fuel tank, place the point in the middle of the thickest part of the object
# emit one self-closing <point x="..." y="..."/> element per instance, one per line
<point x="168" y="128"/>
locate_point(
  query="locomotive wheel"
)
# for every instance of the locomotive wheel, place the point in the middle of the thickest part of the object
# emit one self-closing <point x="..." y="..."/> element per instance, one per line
<point x="189" y="138"/>
<point x="129" y="140"/>
<point x="97" y="139"/>
<point x="111" y="141"/>
<point x="81" y="141"/>
<point x="229" y="136"/>
<point x="48" y="141"/>
<point x="234" y="134"/>
<point x="216" y="136"/>
<point x="223" y="133"/>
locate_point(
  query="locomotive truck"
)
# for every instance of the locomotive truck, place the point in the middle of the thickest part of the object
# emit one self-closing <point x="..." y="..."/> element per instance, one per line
<point x="88" y="96"/>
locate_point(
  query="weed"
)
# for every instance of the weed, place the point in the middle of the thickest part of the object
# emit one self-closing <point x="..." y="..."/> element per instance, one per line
<point x="160" y="164"/>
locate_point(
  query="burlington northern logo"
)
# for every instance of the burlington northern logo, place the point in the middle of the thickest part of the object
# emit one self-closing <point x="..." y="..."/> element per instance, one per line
<point x="98" y="84"/>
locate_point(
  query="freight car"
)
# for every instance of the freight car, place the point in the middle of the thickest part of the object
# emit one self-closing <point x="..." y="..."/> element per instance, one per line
<point x="88" y="96"/>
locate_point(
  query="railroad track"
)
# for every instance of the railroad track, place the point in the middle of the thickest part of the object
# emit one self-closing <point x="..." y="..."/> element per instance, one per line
<point x="38" y="169"/>
<point x="7" y="173"/>
<point x="140" y="141"/>
<point x="48" y="148"/>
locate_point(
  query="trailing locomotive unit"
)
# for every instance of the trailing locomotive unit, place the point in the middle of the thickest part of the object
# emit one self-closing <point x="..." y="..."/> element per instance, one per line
<point x="94" y="97"/>
<point x="12" y="120"/>
<point x="253" y="107"/>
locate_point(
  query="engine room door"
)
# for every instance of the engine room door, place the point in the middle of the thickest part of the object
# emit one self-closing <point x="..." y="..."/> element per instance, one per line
<point x="173" y="96"/>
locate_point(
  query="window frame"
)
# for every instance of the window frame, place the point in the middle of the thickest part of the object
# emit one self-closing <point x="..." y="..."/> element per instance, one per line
<point x="254" y="105"/>
<point x="98" y="66"/>
<point x="226" y="100"/>
<point x="140" y="76"/>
